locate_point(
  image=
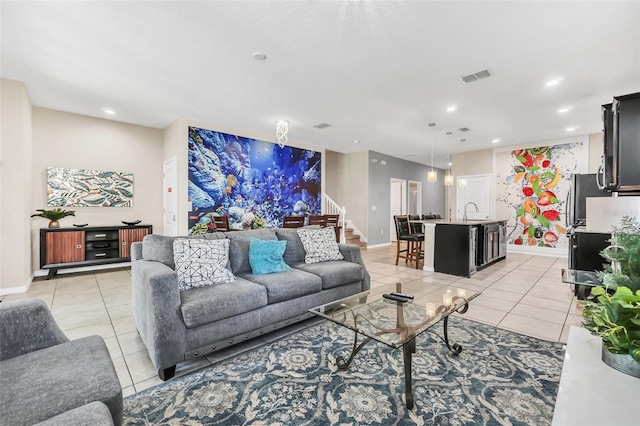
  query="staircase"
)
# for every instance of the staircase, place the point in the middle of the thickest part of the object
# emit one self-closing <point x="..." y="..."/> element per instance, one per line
<point x="347" y="235"/>
<point x="351" y="238"/>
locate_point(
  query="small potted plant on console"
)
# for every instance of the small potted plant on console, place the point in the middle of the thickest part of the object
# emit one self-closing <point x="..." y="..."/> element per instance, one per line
<point x="54" y="215"/>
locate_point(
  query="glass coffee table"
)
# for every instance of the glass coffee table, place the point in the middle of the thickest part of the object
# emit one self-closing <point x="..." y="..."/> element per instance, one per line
<point x="581" y="281"/>
<point x="396" y="324"/>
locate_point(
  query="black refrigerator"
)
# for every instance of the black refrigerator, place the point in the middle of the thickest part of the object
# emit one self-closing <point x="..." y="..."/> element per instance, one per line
<point x="584" y="247"/>
<point x="582" y="186"/>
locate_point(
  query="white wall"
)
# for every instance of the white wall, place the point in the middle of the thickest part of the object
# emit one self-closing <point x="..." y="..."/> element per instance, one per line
<point x="15" y="187"/>
<point x="67" y="140"/>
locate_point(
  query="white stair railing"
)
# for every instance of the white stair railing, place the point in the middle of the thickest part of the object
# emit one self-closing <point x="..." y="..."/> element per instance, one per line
<point x="331" y="207"/>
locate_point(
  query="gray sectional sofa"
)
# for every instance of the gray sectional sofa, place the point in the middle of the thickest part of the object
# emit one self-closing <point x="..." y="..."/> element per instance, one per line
<point x="46" y="379"/>
<point x="179" y="325"/>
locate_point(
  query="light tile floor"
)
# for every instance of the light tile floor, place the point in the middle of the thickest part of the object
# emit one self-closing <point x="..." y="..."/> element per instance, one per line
<point x="523" y="293"/>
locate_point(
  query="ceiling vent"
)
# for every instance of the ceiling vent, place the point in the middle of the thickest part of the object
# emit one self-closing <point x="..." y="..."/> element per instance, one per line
<point x="322" y="126"/>
<point x="470" y="78"/>
<point x="464" y="129"/>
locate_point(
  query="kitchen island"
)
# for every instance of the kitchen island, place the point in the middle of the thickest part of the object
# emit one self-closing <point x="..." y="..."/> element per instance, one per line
<point x="463" y="247"/>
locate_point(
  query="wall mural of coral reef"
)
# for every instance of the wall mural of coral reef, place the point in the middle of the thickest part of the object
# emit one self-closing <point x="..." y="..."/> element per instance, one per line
<point x="532" y="186"/>
<point x="254" y="183"/>
<point x="88" y="188"/>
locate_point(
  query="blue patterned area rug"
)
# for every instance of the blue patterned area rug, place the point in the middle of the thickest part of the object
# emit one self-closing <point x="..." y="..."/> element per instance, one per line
<point x="500" y="378"/>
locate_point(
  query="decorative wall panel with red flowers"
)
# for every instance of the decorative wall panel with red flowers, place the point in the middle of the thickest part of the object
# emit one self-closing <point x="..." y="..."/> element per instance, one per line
<point x="532" y="187"/>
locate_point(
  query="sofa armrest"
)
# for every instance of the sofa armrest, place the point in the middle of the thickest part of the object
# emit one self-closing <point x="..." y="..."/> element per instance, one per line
<point x="156" y="312"/>
<point x="352" y="253"/>
<point x="136" y="251"/>
<point x="25" y="326"/>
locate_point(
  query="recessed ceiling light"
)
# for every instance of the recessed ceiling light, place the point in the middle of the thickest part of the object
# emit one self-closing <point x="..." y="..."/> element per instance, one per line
<point x="495" y="141"/>
<point x="564" y="109"/>
<point x="259" y="56"/>
<point x="451" y="108"/>
<point x="450" y="163"/>
<point x="571" y="129"/>
<point x="108" y="111"/>
<point x="356" y="141"/>
<point x="554" y="82"/>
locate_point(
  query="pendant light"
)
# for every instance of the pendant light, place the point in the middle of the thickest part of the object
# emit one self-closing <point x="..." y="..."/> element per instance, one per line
<point x="432" y="176"/>
<point x="282" y="132"/>
<point x="448" y="177"/>
<point x="462" y="181"/>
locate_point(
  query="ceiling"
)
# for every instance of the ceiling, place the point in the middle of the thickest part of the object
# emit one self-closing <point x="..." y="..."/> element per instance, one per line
<point x="377" y="72"/>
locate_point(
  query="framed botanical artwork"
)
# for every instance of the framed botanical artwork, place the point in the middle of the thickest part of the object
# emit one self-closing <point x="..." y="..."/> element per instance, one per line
<point x="88" y="188"/>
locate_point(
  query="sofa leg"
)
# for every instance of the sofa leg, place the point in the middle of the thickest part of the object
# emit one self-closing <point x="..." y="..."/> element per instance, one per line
<point x="166" y="373"/>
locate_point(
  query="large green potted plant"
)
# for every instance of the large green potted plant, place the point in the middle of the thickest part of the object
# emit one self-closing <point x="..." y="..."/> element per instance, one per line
<point x="616" y="318"/>
<point x="614" y="312"/>
<point x="54" y="215"/>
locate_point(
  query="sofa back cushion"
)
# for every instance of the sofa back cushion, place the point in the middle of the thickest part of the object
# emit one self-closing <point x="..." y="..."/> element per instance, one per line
<point x="160" y="247"/>
<point x="239" y="247"/>
<point x="295" y="251"/>
<point x="201" y="263"/>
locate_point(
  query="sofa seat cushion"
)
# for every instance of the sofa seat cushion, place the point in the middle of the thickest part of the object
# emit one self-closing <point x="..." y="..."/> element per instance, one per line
<point x="94" y="414"/>
<point x="205" y="305"/>
<point x="44" y="383"/>
<point x="334" y="273"/>
<point x="287" y="285"/>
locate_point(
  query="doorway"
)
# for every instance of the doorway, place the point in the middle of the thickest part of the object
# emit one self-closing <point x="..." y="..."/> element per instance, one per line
<point x="170" y="197"/>
<point x="479" y="191"/>
<point x="398" y="206"/>
<point x="415" y="198"/>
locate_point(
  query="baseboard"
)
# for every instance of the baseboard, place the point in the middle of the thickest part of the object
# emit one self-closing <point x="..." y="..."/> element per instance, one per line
<point x="378" y="245"/>
<point x="538" y="251"/>
<point x="44" y="272"/>
<point x="17" y="290"/>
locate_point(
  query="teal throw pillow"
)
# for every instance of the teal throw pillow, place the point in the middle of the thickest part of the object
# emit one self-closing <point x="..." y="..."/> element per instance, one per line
<point x="265" y="256"/>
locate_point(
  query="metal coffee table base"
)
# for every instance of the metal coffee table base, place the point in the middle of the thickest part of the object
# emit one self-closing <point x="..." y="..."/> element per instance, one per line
<point x="408" y="349"/>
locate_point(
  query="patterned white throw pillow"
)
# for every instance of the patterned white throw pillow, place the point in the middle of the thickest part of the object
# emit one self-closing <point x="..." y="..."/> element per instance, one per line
<point x="319" y="244"/>
<point x="200" y="262"/>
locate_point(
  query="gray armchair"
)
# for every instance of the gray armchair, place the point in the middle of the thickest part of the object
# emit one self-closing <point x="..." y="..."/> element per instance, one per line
<point x="44" y="377"/>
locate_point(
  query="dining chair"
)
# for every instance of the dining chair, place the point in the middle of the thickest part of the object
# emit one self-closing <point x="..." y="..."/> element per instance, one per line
<point x="413" y="251"/>
<point x="331" y="219"/>
<point x="293" y="222"/>
<point x="415" y="228"/>
<point x="318" y="220"/>
<point x="221" y="223"/>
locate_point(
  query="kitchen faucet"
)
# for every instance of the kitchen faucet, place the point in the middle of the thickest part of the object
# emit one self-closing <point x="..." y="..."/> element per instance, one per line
<point x="464" y="218"/>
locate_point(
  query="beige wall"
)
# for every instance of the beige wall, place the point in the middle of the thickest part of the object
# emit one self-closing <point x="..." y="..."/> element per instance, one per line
<point x="176" y="144"/>
<point x="67" y="140"/>
<point x="347" y="182"/>
<point x="15" y="187"/>
<point x="481" y="162"/>
<point x="466" y="164"/>
<point x="596" y="149"/>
